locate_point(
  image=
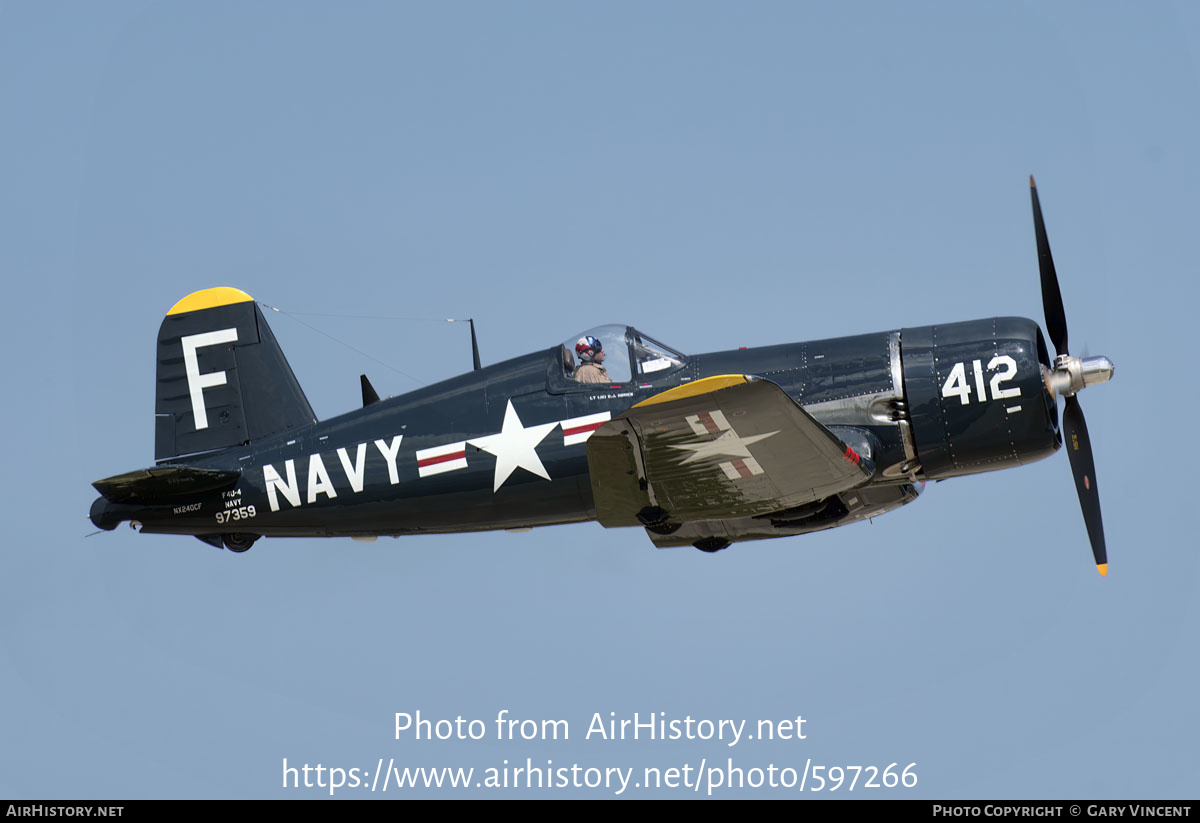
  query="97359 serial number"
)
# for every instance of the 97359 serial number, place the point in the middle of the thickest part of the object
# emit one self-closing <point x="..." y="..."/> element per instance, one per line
<point x="240" y="513"/>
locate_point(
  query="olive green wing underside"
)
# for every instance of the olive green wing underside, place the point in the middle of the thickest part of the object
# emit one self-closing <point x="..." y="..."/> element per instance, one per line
<point x="721" y="447"/>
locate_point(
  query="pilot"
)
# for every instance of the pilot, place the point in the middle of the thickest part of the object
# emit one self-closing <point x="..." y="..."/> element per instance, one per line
<point x="591" y="361"/>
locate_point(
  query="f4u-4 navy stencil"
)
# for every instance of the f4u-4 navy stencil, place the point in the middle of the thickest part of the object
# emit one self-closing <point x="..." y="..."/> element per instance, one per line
<point x="728" y="444"/>
<point x="198" y="382"/>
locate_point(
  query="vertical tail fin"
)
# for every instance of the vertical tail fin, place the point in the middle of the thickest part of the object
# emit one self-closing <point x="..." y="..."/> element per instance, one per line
<point x="222" y="378"/>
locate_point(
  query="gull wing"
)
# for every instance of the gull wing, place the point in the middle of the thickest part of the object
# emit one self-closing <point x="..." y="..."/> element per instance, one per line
<point x="722" y="447"/>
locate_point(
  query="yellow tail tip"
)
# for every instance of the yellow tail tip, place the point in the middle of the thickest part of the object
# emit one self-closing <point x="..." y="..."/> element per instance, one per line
<point x="210" y="298"/>
<point x="1103" y="569"/>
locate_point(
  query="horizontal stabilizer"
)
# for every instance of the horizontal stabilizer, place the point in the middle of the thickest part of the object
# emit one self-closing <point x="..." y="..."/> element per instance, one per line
<point x="162" y="484"/>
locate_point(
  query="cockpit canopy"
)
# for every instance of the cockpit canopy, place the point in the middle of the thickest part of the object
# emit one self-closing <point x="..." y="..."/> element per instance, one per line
<point x="628" y="354"/>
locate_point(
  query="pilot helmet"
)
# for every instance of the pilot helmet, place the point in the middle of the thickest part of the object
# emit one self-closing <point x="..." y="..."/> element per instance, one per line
<point x="587" y="348"/>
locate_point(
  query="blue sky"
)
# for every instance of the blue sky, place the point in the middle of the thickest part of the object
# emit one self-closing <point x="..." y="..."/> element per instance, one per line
<point x="715" y="174"/>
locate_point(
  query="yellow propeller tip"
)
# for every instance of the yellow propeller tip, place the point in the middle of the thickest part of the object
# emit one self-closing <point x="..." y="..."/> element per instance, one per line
<point x="1103" y="569"/>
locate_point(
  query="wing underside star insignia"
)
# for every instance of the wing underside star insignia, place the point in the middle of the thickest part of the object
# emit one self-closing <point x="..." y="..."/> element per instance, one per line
<point x="727" y="443"/>
<point x="679" y="454"/>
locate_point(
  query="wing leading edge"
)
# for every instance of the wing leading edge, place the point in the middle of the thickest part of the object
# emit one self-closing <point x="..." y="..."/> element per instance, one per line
<point x="724" y="447"/>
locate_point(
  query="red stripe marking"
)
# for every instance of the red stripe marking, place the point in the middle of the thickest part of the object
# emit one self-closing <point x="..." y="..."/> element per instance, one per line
<point x="441" y="458"/>
<point x="590" y="427"/>
<point x="706" y="420"/>
<point x="742" y="468"/>
<point x="852" y="456"/>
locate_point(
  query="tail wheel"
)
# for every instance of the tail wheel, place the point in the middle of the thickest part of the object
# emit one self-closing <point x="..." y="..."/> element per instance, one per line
<point x="239" y="542"/>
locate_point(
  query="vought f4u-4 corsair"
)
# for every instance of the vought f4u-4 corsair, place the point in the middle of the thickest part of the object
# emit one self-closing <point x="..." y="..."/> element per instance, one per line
<point x="612" y="425"/>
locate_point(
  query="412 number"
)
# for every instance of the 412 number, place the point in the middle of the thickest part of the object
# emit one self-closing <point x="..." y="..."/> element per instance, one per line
<point x="1004" y="368"/>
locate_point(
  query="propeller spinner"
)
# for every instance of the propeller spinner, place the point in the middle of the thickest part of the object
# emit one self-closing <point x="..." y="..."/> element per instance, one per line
<point x="1068" y="377"/>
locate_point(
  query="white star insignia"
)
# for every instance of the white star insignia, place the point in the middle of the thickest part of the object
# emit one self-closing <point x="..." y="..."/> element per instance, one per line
<point x="729" y="444"/>
<point x="515" y="447"/>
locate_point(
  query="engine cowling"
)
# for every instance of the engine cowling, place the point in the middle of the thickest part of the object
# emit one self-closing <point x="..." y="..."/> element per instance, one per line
<point x="977" y="395"/>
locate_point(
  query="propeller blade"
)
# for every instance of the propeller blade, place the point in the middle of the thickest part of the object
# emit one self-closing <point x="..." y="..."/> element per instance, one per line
<point x="1052" y="302"/>
<point x="1083" y="466"/>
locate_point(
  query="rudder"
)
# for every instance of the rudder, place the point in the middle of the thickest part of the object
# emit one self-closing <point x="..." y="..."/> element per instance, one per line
<point x="222" y="379"/>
